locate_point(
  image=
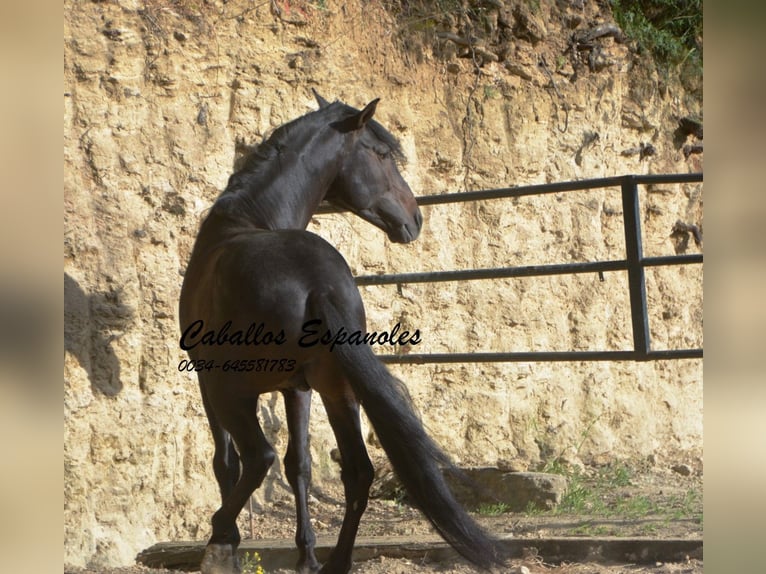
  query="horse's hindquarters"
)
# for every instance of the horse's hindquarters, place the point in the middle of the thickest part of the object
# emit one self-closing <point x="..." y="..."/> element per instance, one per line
<point x="251" y="310"/>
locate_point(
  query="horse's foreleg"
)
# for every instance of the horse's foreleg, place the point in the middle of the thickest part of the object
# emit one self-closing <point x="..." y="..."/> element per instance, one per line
<point x="356" y="472"/>
<point x="298" y="473"/>
<point x="256" y="456"/>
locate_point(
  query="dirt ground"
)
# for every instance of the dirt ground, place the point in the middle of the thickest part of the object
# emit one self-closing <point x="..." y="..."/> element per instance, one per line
<point x="612" y="502"/>
<point x="400" y="566"/>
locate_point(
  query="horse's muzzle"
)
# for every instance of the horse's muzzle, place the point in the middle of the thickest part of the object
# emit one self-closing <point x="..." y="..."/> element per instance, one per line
<point x="409" y="231"/>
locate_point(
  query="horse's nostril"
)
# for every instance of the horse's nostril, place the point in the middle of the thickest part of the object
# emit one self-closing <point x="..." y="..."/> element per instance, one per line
<point x="418" y="218"/>
<point x="414" y="231"/>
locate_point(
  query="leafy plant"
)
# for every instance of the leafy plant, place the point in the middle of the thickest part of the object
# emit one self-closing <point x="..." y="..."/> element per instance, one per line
<point x="615" y="475"/>
<point x="580" y="497"/>
<point x="634" y="507"/>
<point x="493" y="509"/>
<point x="669" y="30"/>
<point x="251" y="564"/>
<point x="490" y="92"/>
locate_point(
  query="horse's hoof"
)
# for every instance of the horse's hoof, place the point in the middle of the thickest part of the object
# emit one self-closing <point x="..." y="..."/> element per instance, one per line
<point x="220" y="559"/>
<point x="308" y="568"/>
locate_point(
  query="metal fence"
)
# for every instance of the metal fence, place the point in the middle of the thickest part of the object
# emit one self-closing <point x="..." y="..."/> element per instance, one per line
<point x="634" y="263"/>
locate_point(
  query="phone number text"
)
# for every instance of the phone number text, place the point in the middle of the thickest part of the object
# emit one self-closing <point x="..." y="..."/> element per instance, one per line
<point x="238" y="365"/>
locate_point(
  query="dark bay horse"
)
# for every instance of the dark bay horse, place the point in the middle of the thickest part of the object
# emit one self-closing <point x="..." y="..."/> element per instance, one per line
<point x="263" y="306"/>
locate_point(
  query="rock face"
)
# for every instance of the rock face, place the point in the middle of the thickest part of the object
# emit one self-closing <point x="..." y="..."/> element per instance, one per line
<point x="160" y="98"/>
<point x="516" y="491"/>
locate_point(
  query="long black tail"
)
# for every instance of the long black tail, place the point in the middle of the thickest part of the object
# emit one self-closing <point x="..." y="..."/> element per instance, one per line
<point x="416" y="459"/>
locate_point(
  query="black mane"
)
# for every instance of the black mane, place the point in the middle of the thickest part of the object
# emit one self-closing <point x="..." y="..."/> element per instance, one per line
<point x="260" y="159"/>
<point x="388" y="139"/>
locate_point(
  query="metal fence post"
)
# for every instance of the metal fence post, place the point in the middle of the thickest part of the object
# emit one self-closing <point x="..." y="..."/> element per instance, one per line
<point x="634" y="263"/>
<point x="636" y="278"/>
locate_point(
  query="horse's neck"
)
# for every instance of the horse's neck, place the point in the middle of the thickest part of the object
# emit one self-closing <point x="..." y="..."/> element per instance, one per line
<point x="283" y="194"/>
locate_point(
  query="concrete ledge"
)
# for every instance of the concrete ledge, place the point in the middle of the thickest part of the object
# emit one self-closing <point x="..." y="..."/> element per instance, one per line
<point x="283" y="554"/>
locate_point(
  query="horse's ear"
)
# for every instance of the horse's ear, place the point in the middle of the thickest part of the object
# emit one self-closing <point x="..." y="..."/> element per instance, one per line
<point x="366" y="114"/>
<point x="320" y="100"/>
<point x="359" y="119"/>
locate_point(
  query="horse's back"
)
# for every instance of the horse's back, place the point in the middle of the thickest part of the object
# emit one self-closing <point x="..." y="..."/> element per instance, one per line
<point x="263" y="258"/>
<point x="270" y="277"/>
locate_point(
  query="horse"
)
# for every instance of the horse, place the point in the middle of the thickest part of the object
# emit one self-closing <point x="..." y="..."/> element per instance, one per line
<point x="268" y="306"/>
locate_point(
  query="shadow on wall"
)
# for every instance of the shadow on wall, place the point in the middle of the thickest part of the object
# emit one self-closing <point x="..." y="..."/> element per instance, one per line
<point x="91" y="323"/>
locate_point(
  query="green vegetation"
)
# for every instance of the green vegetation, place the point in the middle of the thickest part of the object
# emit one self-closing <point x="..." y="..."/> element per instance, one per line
<point x="251" y="564"/>
<point x="493" y="509"/>
<point x="669" y="30"/>
<point x="490" y="92"/>
<point x="603" y="495"/>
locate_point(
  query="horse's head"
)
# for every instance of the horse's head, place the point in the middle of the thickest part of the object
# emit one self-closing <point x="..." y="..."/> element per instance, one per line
<point x="369" y="183"/>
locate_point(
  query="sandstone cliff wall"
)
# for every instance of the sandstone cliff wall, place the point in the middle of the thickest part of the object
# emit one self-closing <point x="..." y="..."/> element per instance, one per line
<point x="159" y="97"/>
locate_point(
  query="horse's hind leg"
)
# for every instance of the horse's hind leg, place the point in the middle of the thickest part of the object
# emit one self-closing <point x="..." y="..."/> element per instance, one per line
<point x="256" y="456"/>
<point x="298" y="473"/>
<point x="356" y="472"/>
<point x="221" y="558"/>
<point x="225" y="458"/>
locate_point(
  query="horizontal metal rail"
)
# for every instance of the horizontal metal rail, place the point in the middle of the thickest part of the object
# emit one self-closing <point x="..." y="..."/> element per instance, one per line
<point x="540" y="356"/>
<point x="538" y="189"/>
<point x="634" y="264"/>
<point x="526" y="271"/>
